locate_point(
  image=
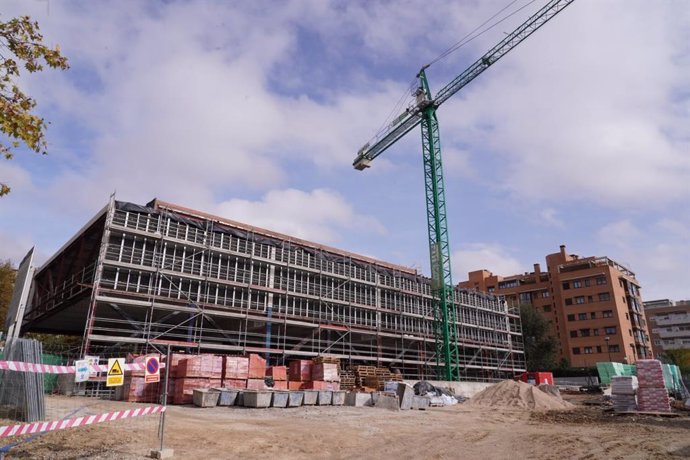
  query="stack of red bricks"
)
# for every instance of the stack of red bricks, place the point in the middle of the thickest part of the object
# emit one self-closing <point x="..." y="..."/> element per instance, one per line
<point x="200" y="371"/>
<point x="235" y="372"/>
<point x="134" y="388"/>
<point x="317" y="374"/>
<point x="299" y="374"/>
<point x="256" y="373"/>
<point x="651" y="394"/>
<point x="279" y="376"/>
<point x="325" y="376"/>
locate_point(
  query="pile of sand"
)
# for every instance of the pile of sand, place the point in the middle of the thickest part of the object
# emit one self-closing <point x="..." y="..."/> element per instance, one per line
<point x="519" y="395"/>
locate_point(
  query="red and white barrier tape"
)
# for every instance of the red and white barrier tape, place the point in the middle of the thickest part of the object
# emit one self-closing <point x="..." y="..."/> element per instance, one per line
<point x="40" y="427"/>
<point x="20" y="366"/>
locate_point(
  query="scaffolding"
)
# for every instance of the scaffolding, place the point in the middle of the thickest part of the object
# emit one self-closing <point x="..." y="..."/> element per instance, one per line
<point x="147" y="276"/>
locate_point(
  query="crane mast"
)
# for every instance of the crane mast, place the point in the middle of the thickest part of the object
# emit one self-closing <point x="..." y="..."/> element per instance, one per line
<point x="423" y="112"/>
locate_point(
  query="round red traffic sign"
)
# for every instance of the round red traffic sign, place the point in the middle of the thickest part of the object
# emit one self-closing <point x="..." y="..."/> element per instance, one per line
<point x="152" y="365"/>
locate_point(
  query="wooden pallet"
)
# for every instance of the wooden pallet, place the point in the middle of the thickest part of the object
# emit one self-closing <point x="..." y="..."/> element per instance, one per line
<point x="326" y="360"/>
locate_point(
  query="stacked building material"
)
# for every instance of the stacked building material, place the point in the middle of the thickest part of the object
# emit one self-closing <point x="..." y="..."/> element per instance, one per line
<point x="623" y="389"/>
<point x="347" y="380"/>
<point x="279" y="376"/>
<point x="325" y="376"/>
<point x="652" y="395"/>
<point x="201" y="371"/>
<point x="375" y="378"/>
<point x="256" y="373"/>
<point x="235" y="372"/>
<point x="299" y="374"/>
<point x="134" y="388"/>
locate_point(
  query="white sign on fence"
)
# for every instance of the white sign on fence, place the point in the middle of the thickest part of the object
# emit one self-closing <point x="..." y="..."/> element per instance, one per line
<point x="81" y="370"/>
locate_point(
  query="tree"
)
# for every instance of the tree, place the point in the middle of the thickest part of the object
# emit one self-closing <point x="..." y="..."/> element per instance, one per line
<point x="540" y="344"/>
<point x="21" y="45"/>
<point x="7" y="276"/>
<point x="680" y="357"/>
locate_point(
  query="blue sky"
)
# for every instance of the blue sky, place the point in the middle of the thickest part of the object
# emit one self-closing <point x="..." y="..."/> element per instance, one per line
<point x="255" y="111"/>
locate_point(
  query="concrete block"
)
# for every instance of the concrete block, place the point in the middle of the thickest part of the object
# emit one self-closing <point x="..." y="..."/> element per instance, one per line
<point x="203" y="397"/>
<point x="357" y="399"/>
<point x="325" y="398"/>
<point x="385" y="400"/>
<point x="227" y="397"/>
<point x="310" y="397"/>
<point x="295" y="399"/>
<point x="161" y="454"/>
<point x="257" y="398"/>
<point x="280" y="399"/>
<point x="420" y="402"/>
<point x="338" y="398"/>
<point x="405" y="394"/>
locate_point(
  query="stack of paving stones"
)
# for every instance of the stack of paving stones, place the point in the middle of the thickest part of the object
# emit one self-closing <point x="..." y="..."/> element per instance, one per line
<point x="623" y="389"/>
<point x="201" y="371"/>
<point x="652" y="395"/>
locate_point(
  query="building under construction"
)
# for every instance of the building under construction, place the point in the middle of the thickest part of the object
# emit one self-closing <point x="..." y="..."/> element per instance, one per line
<point x="141" y="277"/>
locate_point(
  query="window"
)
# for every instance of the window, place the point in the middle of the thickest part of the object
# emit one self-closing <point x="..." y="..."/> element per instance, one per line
<point x="566" y="285"/>
<point x="614" y="348"/>
<point x="547" y="308"/>
<point x="587" y="282"/>
<point x="584" y="332"/>
<point x="627" y="317"/>
<point x="545" y="294"/>
<point x="610" y="330"/>
<point x="568" y="301"/>
<point x="593" y="315"/>
<point x="604" y="296"/>
<point x="598" y="349"/>
<point x="580" y="300"/>
<point x="630" y="332"/>
<point x="525" y="297"/>
<point x="607" y="313"/>
<point x="571" y="317"/>
<point x="600" y="280"/>
<point x="491" y="289"/>
<point x="576" y="350"/>
<point x="582" y="316"/>
<point x="573" y="333"/>
<point x="590" y="299"/>
<point x="596" y="331"/>
<point x="577" y="284"/>
<point x="588" y="350"/>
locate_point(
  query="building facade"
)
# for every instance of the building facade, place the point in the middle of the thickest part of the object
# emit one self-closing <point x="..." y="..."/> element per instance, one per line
<point x="145" y="277"/>
<point x="669" y="324"/>
<point x="592" y="303"/>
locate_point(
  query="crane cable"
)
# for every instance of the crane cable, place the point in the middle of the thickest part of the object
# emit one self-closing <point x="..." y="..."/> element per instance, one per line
<point x="462" y="42"/>
<point x="468" y="38"/>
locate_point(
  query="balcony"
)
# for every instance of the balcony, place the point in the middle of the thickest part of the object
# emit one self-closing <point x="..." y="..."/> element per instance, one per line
<point x="672" y="320"/>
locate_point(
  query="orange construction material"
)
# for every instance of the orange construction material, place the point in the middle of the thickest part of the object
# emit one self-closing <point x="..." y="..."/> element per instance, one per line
<point x="280" y="385"/>
<point x="300" y="369"/>
<point x="257" y="366"/>
<point x="235" y="367"/>
<point x="325" y="371"/>
<point x="256" y="384"/>
<point x="237" y="384"/>
<point x="184" y="388"/>
<point x="321" y="385"/>
<point x="278" y="373"/>
<point x="296" y="385"/>
<point x="206" y="366"/>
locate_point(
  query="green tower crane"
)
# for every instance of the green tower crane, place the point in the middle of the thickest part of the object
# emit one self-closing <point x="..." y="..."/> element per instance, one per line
<point x="423" y="112"/>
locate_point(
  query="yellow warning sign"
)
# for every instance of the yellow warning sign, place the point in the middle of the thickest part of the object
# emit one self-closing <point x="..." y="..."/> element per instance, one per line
<point x="116" y="375"/>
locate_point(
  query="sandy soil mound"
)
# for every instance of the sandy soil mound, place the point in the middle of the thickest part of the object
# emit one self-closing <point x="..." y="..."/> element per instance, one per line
<point x="519" y="395"/>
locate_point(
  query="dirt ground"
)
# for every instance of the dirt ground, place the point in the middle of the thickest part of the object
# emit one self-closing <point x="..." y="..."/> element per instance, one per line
<point x="460" y="431"/>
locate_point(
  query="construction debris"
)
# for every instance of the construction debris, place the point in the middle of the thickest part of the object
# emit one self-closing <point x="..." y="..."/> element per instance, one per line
<point x="519" y="395"/>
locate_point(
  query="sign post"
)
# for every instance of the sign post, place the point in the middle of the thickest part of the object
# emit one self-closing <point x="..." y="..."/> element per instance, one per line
<point x="152" y="372"/>
<point x="116" y="374"/>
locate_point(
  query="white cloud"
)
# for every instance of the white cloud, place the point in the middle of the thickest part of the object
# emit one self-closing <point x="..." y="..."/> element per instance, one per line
<point x="657" y="251"/>
<point x="549" y="216"/>
<point x="484" y="256"/>
<point x="320" y="215"/>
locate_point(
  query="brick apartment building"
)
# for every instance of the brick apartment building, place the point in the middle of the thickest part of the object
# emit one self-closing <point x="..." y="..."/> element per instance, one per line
<point x="593" y="304"/>
<point x="669" y="324"/>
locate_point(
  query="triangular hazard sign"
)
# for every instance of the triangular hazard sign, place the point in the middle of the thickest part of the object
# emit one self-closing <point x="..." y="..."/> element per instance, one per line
<point x="115" y="369"/>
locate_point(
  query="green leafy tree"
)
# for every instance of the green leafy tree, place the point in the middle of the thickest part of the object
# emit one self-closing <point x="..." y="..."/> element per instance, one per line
<point x="540" y="344"/>
<point x="7" y="276"/>
<point x="679" y="357"/>
<point x="21" y="46"/>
